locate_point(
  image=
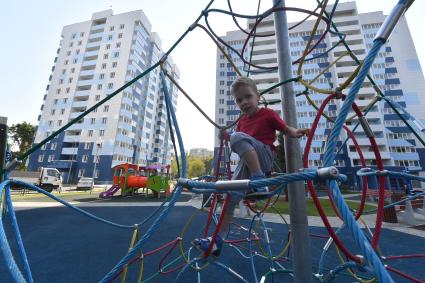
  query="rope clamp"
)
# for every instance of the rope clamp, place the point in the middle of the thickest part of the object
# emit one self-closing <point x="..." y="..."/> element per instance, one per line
<point x="183" y="182"/>
<point x="382" y="173"/>
<point x="163" y="59"/>
<point x="234" y="185"/>
<point x="328" y="173"/>
<point x="192" y="26"/>
<point x="338" y="93"/>
<point x="391" y="20"/>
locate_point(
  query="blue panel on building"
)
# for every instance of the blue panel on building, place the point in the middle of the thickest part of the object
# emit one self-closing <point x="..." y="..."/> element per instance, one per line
<point x="230" y="102"/>
<point x="402" y="103"/>
<point x="323" y="65"/>
<point x="229" y="83"/>
<point x="399" y="129"/>
<point x="392" y="70"/>
<point x="393" y="117"/>
<point x="389" y="59"/>
<point x="332" y="107"/>
<point x="328" y="75"/>
<point x="233" y="112"/>
<point x="421" y="153"/>
<point x="321" y="45"/>
<point x="394" y="92"/>
<point x="392" y="81"/>
<point x="231" y="74"/>
<point x="388" y="49"/>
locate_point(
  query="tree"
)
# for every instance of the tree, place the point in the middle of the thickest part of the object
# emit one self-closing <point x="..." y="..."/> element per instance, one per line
<point x="196" y="167"/>
<point x="21" y="136"/>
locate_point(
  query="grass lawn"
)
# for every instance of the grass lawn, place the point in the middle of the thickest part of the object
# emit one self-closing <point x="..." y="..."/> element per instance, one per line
<point x="68" y="196"/>
<point x="283" y="207"/>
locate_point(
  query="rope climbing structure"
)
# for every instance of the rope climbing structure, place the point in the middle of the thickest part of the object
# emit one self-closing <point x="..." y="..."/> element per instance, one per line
<point x="255" y="241"/>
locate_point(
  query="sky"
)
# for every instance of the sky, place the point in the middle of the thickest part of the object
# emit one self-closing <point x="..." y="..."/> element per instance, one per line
<point x="31" y="35"/>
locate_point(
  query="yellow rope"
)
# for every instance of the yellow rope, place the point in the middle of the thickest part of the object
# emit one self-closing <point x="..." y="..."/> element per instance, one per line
<point x="134" y="239"/>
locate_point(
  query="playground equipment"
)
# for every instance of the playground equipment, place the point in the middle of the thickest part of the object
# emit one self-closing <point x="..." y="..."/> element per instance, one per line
<point x="129" y="178"/>
<point x="367" y="263"/>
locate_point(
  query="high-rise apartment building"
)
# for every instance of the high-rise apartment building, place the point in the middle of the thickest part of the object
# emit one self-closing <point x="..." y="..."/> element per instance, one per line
<point x="396" y="71"/>
<point x="95" y="58"/>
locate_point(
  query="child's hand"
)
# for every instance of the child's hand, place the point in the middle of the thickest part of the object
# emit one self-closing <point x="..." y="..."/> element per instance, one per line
<point x="301" y="132"/>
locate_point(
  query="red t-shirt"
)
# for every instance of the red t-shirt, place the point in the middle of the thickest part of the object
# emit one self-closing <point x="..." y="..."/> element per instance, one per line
<point x="262" y="125"/>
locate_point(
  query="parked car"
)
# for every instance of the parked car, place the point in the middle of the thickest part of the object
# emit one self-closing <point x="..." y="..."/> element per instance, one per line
<point x="85" y="183"/>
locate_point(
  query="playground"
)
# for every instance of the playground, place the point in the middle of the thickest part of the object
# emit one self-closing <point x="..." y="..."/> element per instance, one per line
<point x="104" y="242"/>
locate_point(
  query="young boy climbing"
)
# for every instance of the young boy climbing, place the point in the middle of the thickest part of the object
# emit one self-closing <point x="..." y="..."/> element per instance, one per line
<point x="253" y="142"/>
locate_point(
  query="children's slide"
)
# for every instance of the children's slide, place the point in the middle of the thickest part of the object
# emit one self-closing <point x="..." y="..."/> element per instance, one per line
<point x="110" y="192"/>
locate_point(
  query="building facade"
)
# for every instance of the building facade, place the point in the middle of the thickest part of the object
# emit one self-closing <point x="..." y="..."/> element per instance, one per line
<point x="95" y="58"/>
<point x="396" y="71"/>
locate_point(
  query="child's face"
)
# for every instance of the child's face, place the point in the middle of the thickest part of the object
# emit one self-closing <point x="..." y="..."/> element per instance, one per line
<point x="247" y="99"/>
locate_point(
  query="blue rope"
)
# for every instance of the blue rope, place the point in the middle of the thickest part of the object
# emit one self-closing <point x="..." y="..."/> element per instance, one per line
<point x="18" y="237"/>
<point x="329" y="156"/>
<point x="7" y="253"/>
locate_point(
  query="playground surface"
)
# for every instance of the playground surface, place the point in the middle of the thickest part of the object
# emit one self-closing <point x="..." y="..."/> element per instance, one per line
<point x="63" y="246"/>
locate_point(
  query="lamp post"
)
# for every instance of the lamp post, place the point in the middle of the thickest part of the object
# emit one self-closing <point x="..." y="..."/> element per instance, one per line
<point x="96" y="158"/>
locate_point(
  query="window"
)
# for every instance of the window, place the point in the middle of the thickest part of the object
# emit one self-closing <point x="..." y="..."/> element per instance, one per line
<point x="101" y="76"/>
<point x="104" y="119"/>
<point x="99" y="86"/>
<point x="112" y="75"/>
<point x="70" y="80"/>
<point x="101" y="133"/>
<point x="67" y="90"/>
<point x="105" y="56"/>
<point x="40" y="158"/>
<point x="97" y="97"/>
<point x="87" y="145"/>
<point x="73" y="36"/>
<point x="110" y="85"/>
<point x="77" y="52"/>
<point x="111" y="28"/>
<point x="63" y="71"/>
<point x="90" y="133"/>
<point x="50" y="122"/>
<point x="53" y="146"/>
<point x="75" y="61"/>
<point x="92" y="120"/>
<point x="66" y="62"/>
<point x="81" y="172"/>
<point x="120" y="35"/>
<point x="62" y="111"/>
<point x="55" y="101"/>
<point x="71" y="44"/>
<point x="51" y="157"/>
<point x="59" y="124"/>
<point x="109" y="37"/>
<point x="65" y="100"/>
<point x="80" y="42"/>
<point x="104" y="66"/>
<point x="53" y="112"/>
<point x="68" y="53"/>
<point x="116" y="54"/>
<point x="118" y="45"/>
<point x="72" y="70"/>
<point x="61" y="81"/>
<point x="84" y="158"/>
<point x="81" y="34"/>
<point x="105" y="108"/>
<point x="114" y="64"/>
<point x="121" y="26"/>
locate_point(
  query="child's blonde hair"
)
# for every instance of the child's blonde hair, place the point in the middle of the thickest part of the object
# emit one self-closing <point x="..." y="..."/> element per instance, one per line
<point x="243" y="81"/>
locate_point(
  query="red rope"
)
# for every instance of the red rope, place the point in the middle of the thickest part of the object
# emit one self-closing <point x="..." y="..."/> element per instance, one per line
<point x="407" y="276"/>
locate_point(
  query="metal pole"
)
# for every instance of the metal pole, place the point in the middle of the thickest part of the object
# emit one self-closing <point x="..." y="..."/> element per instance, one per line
<point x="3" y="145"/>
<point x="301" y="255"/>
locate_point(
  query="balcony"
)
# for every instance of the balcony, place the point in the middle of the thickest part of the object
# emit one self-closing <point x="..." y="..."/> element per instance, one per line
<point x="85" y="83"/>
<point x="87" y="73"/>
<point x="80" y="104"/>
<point x="69" y="151"/>
<point x="93" y="45"/>
<point x="73" y="138"/>
<point x="89" y="63"/>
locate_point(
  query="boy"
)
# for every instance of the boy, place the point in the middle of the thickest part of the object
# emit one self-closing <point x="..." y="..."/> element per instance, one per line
<point x="253" y="142"/>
